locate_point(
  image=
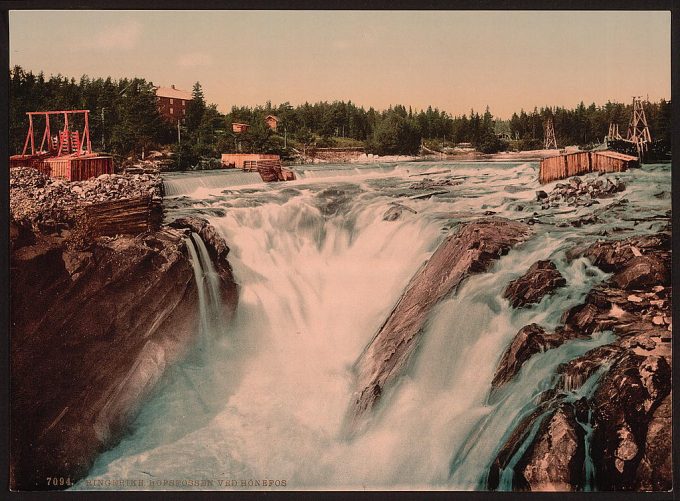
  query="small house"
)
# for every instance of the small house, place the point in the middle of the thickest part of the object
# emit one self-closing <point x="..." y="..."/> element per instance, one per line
<point x="272" y="122"/>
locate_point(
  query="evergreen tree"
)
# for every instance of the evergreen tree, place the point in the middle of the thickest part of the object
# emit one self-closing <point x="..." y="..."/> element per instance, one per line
<point x="195" y="108"/>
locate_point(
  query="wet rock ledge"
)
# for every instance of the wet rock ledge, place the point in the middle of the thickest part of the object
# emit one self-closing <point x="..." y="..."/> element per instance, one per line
<point x="472" y="249"/>
<point x="95" y="321"/>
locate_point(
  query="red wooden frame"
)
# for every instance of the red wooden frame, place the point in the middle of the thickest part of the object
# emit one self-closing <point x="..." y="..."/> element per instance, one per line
<point x="84" y="146"/>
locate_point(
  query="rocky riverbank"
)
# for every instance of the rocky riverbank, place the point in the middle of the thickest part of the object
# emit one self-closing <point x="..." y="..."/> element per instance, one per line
<point x="95" y="320"/>
<point x="622" y="422"/>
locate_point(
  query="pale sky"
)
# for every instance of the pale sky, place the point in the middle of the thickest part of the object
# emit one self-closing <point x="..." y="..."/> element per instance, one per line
<point x="451" y="60"/>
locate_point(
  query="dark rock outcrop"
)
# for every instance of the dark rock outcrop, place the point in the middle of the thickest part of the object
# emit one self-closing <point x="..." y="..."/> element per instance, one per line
<point x="470" y="250"/>
<point x="555" y="459"/>
<point x="94" y="324"/>
<point x="92" y="332"/>
<point x="542" y="278"/>
<point x="530" y="339"/>
<point x="624" y="404"/>
<point x="655" y="471"/>
<point x="628" y="405"/>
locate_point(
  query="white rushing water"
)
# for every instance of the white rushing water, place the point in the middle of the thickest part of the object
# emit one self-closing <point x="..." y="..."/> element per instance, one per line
<point x="319" y="271"/>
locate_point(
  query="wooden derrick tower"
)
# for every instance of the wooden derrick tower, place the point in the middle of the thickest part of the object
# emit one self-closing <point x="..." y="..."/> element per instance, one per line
<point x="550" y="141"/>
<point x="638" y="130"/>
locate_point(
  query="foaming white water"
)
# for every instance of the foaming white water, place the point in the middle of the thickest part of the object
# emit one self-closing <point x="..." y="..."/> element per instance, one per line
<point x="313" y="291"/>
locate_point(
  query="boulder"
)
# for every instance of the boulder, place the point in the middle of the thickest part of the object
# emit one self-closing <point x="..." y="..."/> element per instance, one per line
<point x="642" y="271"/>
<point x="542" y="278"/>
<point x="530" y="339"/>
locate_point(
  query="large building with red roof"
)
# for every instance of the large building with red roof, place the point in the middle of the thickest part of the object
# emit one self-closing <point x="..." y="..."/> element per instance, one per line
<point x="172" y="103"/>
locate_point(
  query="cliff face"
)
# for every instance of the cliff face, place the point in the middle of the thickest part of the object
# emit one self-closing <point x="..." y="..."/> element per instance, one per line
<point x="93" y="327"/>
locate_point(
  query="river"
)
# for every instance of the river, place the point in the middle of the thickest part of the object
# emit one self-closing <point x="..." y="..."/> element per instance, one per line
<point x="264" y="399"/>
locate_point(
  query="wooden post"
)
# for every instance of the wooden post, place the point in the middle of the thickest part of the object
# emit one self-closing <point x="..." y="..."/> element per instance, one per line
<point x="29" y="135"/>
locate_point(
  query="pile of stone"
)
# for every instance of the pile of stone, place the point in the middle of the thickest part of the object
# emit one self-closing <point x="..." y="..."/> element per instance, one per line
<point x="155" y="162"/>
<point x="580" y="192"/>
<point x="45" y="202"/>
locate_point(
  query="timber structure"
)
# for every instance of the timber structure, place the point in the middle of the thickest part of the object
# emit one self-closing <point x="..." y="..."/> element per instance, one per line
<point x="583" y="162"/>
<point x="66" y="155"/>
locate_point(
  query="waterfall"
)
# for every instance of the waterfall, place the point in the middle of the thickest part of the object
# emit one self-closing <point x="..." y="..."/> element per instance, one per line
<point x="208" y="287"/>
<point x="319" y="271"/>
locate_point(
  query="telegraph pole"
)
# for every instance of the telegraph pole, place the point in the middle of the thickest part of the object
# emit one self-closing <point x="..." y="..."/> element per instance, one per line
<point x="103" y="143"/>
<point x="179" y="134"/>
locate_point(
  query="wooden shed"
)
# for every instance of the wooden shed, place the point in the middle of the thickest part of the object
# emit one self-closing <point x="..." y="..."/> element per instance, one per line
<point x="240" y="160"/>
<point x="272" y="122"/>
<point x="77" y="168"/>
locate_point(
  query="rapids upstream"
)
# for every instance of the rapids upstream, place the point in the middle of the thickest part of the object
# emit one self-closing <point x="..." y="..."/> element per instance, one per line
<point x="319" y="269"/>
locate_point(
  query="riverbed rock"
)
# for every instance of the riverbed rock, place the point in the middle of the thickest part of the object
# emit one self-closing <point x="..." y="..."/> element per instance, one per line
<point x="395" y="211"/>
<point x="92" y="333"/>
<point x="613" y="255"/>
<point x="627" y="398"/>
<point x="541" y="279"/>
<point x="642" y="271"/>
<point x="624" y="404"/>
<point x="554" y="461"/>
<point x="470" y="250"/>
<point x="655" y="471"/>
<point x="428" y="183"/>
<point x="530" y="339"/>
<point x="581" y="191"/>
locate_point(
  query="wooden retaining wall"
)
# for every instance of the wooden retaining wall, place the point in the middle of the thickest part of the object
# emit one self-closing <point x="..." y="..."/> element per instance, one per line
<point x="130" y="216"/>
<point x="582" y="162"/>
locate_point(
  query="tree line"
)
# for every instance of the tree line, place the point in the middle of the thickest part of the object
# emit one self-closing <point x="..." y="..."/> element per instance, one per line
<point x="587" y="125"/>
<point x="125" y="121"/>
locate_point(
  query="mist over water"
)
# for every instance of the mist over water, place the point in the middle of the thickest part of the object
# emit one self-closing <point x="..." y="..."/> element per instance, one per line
<point x="319" y="271"/>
